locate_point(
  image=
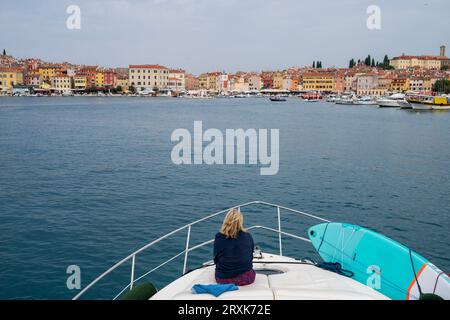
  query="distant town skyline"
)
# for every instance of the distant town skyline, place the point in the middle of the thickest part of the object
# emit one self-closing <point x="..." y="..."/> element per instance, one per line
<point x="205" y="35"/>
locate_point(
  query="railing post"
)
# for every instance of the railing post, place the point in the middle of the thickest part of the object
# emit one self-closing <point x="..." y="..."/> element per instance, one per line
<point x="133" y="260"/>
<point x="186" y="250"/>
<point x="279" y="230"/>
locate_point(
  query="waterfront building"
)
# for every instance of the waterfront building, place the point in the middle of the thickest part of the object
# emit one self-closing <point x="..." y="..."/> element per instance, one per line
<point x="90" y="74"/>
<point x="223" y="84"/>
<point x="203" y="81"/>
<point x="428" y="62"/>
<point x="278" y="81"/>
<point x="238" y="83"/>
<point x="211" y="82"/>
<point x="319" y="81"/>
<point x="10" y="77"/>
<point x="191" y="82"/>
<point x="99" y="79"/>
<point x="399" y="84"/>
<point x="61" y="82"/>
<point x="340" y="82"/>
<point x="148" y="77"/>
<point x="349" y="82"/>
<point x="267" y="80"/>
<point x="47" y="72"/>
<point x="254" y="82"/>
<point x="368" y="85"/>
<point x="71" y="71"/>
<point x="417" y="84"/>
<point x="33" y="79"/>
<point x="385" y="80"/>
<point x="177" y="80"/>
<point x="109" y="78"/>
<point x="175" y="85"/>
<point x="80" y="82"/>
<point x="122" y="81"/>
<point x="287" y="83"/>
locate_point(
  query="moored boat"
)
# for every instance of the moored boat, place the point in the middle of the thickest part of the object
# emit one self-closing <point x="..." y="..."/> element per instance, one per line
<point x="331" y="98"/>
<point x="423" y="102"/>
<point x="391" y="101"/>
<point x="345" y="100"/>
<point x="311" y="100"/>
<point x="311" y="97"/>
<point x="278" y="99"/>
<point x="366" y="100"/>
<point x="404" y="105"/>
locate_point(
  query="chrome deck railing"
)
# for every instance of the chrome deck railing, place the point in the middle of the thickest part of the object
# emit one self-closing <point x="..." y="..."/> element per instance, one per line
<point x="188" y="249"/>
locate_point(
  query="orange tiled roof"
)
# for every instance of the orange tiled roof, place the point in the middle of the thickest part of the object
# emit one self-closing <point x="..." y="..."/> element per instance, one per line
<point x="3" y="69"/>
<point x="319" y="74"/>
<point x="177" y="71"/>
<point x="404" y="57"/>
<point x="146" y="66"/>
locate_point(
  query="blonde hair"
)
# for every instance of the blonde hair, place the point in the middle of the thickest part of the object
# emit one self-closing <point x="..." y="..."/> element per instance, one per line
<point x="233" y="224"/>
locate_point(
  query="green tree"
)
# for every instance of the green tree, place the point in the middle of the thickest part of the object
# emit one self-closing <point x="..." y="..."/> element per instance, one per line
<point x="351" y="64"/>
<point x="119" y="89"/>
<point x="4" y="52"/>
<point x="386" y="62"/>
<point x="373" y="62"/>
<point x="314" y="64"/>
<point x="444" y="68"/>
<point x="442" y="86"/>
<point x="132" y="89"/>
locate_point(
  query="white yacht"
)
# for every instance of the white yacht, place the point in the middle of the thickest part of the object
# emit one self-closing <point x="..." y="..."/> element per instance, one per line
<point x="391" y="101"/>
<point x="67" y="93"/>
<point x="281" y="277"/>
<point x="405" y="104"/>
<point x="366" y="100"/>
<point x="331" y="98"/>
<point x="345" y="100"/>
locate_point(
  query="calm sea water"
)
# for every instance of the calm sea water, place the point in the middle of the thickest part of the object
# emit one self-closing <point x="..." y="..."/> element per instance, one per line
<point x="86" y="181"/>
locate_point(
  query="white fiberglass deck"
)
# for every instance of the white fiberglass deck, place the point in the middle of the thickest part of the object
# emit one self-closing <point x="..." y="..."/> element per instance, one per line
<point x="293" y="279"/>
<point x="277" y="278"/>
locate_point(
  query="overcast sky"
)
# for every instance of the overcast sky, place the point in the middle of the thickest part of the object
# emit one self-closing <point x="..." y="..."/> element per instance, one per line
<point x="229" y="35"/>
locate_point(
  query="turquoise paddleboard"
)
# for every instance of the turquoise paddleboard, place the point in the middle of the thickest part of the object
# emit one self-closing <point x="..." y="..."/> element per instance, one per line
<point x="379" y="262"/>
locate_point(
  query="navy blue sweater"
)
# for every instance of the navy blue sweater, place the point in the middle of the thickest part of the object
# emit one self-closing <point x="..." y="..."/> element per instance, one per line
<point x="233" y="256"/>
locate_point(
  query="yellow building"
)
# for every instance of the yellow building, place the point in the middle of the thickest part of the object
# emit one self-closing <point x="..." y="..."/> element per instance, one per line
<point x="61" y="82"/>
<point x="10" y="77"/>
<point x="211" y="81"/>
<point x="47" y="72"/>
<point x="122" y="82"/>
<point x="238" y="84"/>
<point x="319" y="81"/>
<point x="399" y="85"/>
<point x="278" y="81"/>
<point x="423" y="62"/>
<point x="99" y="79"/>
<point x="203" y="81"/>
<point x="80" y="82"/>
